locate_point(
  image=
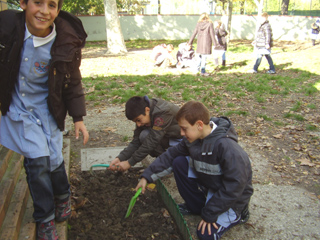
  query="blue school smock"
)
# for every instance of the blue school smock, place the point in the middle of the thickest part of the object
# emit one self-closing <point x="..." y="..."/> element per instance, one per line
<point x="29" y="128"/>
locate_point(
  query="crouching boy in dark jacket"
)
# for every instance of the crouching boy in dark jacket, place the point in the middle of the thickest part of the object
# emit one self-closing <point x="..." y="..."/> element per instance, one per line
<point x="213" y="173"/>
<point x="156" y="130"/>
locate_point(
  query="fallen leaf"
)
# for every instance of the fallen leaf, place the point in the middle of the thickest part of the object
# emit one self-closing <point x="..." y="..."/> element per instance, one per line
<point x="109" y="129"/>
<point x="94" y="76"/>
<point x="80" y="204"/>
<point x="91" y="89"/>
<point x="259" y="119"/>
<point x="313" y="156"/>
<point x="151" y="186"/>
<point x="278" y="136"/>
<point x="297" y="148"/>
<point x="165" y="213"/>
<point x="74" y="214"/>
<point x="305" y="162"/>
<point x="267" y="145"/>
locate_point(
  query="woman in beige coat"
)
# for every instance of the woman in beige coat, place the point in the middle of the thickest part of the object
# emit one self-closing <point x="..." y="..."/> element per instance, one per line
<point x="205" y="38"/>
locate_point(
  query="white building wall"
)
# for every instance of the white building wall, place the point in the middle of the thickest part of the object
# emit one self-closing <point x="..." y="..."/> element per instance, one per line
<point x="174" y="27"/>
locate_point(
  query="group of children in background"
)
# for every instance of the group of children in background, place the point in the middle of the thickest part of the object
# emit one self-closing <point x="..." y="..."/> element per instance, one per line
<point x="208" y="34"/>
<point x="211" y="40"/>
<point x="214" y="34"/>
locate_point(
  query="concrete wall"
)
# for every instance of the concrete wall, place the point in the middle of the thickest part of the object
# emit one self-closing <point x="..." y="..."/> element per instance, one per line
<point x="174" y="27"/>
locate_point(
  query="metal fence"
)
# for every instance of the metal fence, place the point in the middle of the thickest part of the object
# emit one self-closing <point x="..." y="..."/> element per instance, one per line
<point x="311" y="13"/>
<point x="273" y="7"/>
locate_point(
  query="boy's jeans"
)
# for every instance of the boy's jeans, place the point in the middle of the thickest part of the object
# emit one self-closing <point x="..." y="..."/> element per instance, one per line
<point x="193" y="194"/>
<point x="258" y="61"/>
<point x="44" y="186"/>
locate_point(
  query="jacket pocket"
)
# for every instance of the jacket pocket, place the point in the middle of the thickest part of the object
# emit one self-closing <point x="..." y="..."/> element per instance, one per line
<point x="9" y="53"/>
<point x="4" y="51"/>
<point x="64" y="70"/>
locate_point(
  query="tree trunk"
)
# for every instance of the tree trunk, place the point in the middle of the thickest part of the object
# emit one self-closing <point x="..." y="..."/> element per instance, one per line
<point x="259" y="5"/>
<point x="284" y="7"/>
<point x="242" y="7"/>
<point x="115" y="41"/>
<point x="230" y="7"/>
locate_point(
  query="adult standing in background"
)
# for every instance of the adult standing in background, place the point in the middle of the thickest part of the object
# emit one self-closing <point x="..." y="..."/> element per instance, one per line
<point x="205" y="37"/>
<point x="263" y="43"/>
<point x="220" y="45"/>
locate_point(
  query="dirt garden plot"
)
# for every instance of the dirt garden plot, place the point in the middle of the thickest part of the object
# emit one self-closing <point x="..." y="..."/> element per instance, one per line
<point x="100" y="205"/>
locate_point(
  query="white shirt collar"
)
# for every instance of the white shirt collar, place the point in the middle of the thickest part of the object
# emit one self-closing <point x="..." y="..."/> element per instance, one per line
<point x="39" y="41"/>
<point x="213" y="125"/>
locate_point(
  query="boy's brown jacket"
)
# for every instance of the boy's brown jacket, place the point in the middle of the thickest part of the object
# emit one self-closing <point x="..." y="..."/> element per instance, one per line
<point x="65" y="89"/>
<point x="163" y="127"/>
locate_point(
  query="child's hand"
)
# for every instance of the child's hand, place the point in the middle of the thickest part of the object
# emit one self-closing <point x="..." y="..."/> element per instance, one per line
<point x="142" y="184"/>
<point x="80" y="127"/>
<point x="203" y="224"/>
<point x="114" y="165"/>
<point x="124" y="166"/>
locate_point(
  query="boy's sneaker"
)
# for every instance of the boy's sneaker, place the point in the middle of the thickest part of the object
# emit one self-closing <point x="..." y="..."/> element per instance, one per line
<point x="252" y="71"/>
<point x="63" y="209"/>
<point x="47" y="231"/>
<point x="245" y="215"/>
<point x="184" y="210"/>
<point x="271" y="72"/>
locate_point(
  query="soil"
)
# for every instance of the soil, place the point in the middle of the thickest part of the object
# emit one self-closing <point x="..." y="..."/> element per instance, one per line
<point x="100" y="205"/>
<point x="285" y="160"/>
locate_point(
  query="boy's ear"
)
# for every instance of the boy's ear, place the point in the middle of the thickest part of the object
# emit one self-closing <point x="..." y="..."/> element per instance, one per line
<point x="147" y="111"/>
<point x="23" y="4"/>
<point x="199" y="125"/>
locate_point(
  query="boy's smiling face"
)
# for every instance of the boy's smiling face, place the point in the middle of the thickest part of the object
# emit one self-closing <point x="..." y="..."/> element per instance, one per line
<point x="40" y="15"/>
<point x="143" y="120"/>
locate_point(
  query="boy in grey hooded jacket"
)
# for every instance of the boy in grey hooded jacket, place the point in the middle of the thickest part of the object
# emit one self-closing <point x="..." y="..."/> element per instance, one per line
<point x="213" y="173"/>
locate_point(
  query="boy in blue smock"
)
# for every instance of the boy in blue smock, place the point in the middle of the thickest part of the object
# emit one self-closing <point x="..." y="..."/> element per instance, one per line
<point x="213" y="173"/>
<point x="40" y="81"/>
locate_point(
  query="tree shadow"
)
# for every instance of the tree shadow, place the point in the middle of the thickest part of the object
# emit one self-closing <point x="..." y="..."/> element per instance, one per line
<point x="283" y="65"/>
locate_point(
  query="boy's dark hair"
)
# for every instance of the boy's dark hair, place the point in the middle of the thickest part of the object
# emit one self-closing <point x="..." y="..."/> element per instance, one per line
<point x="193" y="111"/>
<point x="135" y="106"/>
<point x="59" y="3"/>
